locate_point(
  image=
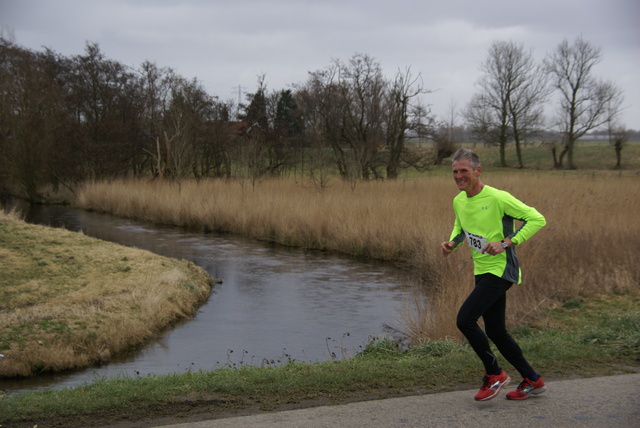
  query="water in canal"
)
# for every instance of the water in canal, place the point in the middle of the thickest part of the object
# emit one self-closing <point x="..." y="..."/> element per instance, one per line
<point x="275" y="303"/>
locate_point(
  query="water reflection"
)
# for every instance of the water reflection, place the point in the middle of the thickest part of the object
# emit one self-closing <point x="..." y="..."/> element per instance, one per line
<point x="275" y="303"/>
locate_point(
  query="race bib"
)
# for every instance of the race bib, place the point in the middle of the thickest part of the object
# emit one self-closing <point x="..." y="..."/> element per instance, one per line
<point x="476" y="242"/>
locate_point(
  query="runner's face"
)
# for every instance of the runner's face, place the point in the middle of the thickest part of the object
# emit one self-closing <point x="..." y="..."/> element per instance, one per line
<point x="465" y="176"/>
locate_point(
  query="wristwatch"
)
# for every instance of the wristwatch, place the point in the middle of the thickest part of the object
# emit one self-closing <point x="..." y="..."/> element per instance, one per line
<point x="504" y="244"/>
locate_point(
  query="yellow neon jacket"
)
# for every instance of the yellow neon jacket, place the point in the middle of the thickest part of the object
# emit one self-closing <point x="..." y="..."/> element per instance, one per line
<point x="491" y="216"/>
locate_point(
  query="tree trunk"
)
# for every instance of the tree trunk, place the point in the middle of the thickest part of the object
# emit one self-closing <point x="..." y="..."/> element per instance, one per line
<point x="554" y="153"/>
<point x="569" y="150"/>
<point x="503" y="159"/>
<point x="516" y="136"/>
<point x="564" y="151"/>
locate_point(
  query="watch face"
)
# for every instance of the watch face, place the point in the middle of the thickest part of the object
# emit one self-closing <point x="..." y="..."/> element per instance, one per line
<point x="504" y="245"/>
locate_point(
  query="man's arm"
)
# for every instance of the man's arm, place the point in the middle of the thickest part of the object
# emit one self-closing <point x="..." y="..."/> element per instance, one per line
<point x="456" y="238"/>
<point x="532" y="220"/>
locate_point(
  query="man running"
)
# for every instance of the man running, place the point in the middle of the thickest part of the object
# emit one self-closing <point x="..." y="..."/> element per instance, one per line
<point x="486" y="217"/>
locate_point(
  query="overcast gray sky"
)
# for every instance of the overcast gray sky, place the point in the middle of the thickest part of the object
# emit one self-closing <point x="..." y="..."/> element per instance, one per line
<point x="227" y="44"/>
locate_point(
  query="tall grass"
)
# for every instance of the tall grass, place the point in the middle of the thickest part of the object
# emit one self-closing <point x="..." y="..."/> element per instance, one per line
<point x="586" y="249"/>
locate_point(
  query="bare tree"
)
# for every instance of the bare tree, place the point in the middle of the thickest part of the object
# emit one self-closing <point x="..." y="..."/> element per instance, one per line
<point x="32" y="112"/>
<point x="493" y="103"/>
<point x="318" y="160"/>
<point x="215" y="142"/>
<point x="512" y="92"/>
<point x="618" y="137"/>
<point x="445" y="137"/>
<point x="350" y="102"/>
<point x="266" y="146"/>
<point x="481" y="120"/>
<point x="529" y="92"/>
<point x="155" y="93"/>
<point x="103" y="96"/>
<point x="585" y="102"/>
<point x="361" y="85"/>
<point x="401" y="113"/>
<point x="362" y="116"/>
<point x="182" y="126"/>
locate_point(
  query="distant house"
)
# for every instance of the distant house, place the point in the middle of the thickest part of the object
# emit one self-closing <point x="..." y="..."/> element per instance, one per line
<point x="237" y="128"/>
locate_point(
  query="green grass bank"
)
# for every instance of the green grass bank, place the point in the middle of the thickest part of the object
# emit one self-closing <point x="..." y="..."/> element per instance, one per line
<point x="580" y="339"/>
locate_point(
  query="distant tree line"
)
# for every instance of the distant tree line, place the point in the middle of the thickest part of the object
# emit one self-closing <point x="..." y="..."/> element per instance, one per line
<point x="64" y="120"/>
<point x="67" y="119"/>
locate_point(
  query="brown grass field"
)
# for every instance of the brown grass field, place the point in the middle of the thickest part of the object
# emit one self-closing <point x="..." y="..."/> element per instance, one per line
<point x="586" y="249"/>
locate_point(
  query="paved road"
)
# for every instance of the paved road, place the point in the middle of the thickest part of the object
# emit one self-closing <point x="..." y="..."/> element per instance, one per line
<point x="611" y="402"/>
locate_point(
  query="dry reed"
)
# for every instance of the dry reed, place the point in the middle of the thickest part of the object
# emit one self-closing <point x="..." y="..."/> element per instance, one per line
<point x="585" y="249"/>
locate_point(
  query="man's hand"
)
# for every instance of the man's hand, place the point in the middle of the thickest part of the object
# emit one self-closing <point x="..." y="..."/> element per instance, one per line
<point x="493" y="248"/>
<point x="447" y="248"/>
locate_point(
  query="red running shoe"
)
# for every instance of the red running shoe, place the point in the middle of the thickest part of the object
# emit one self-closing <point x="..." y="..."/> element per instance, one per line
<point x="491" y="385"/>
<point x="525" y="388"/>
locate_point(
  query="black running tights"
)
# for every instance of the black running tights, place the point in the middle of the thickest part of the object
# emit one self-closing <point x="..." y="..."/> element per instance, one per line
<point x="488" y="300"/>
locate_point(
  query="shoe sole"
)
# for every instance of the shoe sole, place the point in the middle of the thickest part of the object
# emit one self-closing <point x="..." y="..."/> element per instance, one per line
<point x="496" y="392"/>
<point x="524" y="397"/>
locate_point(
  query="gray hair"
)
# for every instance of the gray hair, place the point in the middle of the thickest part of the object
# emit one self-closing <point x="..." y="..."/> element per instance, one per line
<point x="470" y="155"/>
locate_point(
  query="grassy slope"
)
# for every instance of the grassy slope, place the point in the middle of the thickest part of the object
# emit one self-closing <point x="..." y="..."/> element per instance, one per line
<point x="68" y="301"/>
